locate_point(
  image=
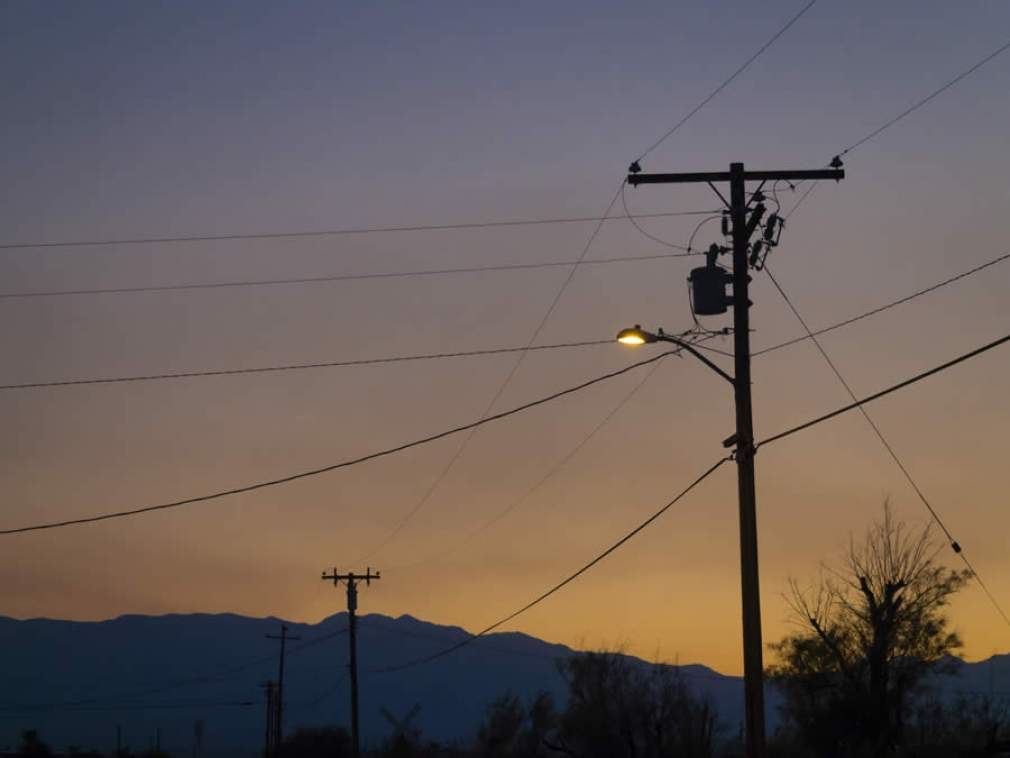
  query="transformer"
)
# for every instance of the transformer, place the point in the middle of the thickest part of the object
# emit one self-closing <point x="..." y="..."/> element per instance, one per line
<point x="708" y="289"/>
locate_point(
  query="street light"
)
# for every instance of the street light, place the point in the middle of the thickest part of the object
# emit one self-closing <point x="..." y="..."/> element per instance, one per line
<point x="636" y="335"/>
<point x="743" y="442"/>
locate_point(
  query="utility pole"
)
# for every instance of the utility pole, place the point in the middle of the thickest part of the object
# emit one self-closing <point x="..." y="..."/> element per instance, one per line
<point x="279" y="727"/>
<point x="744" y="222"/>
<point x="351" y="580"/>
<point x="270" y="734"/>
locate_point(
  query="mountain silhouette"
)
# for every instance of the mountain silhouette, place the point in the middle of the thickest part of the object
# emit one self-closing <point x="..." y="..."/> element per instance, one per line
<point x="75" y="682"/>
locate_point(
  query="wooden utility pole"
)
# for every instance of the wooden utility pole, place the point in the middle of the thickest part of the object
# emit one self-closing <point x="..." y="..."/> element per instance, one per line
<point x="283" y="637"/>
<point x="351" y="580"/>
<point x="744" y="222"/>
<point x="270" y="733"/>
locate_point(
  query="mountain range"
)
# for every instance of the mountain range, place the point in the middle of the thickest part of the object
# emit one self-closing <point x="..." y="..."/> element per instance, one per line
<point x="166" y="679"/>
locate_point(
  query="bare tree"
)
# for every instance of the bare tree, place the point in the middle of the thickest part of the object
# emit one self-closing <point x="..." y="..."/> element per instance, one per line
<point x="870" y="632"/>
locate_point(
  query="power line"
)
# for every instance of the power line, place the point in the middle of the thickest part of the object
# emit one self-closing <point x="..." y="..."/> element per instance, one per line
<point x="726" y="83"/>
<point x="561" y="463"/>
<point x="332" y="232"/>
<point x="203" y="679"/>
<point x="708" y="472"/>
<point x="483" y="527"/>
<point x="876" y="396"/>
<point x="564" y="582"/>
<point x="628" y="215"/>
<point x="488" y="644"/>
<point x="300" y="366"/>
<point x="887" y="306"/>
<point x="490" y="351"/>
<point x="550" y="310"/>
<point x="458" y="453"/>
<point x="955" y="546"/>
<point x="908" y="111"/>
<point x="326" y="279"/>
<point x="336" y="466"/>
<point x="911" y="109"/>
<point x="137" y="707"/>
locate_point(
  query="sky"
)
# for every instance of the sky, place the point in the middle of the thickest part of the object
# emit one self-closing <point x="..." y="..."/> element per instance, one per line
<point x="126" y="120"/>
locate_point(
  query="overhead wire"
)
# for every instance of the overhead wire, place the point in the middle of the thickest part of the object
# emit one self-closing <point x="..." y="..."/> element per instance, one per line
<point x="134" y="696"/>
<point x="465" y="442"/>
<point x="858" y="403"/>
<point x="490" y="351"/>
<point x="550" y="310"/>
<point x="908" y="111"/>
<point x="615" y="546"/>
<point x="886" y="306"/>
<point x="300" y="366"/>
<point x="495" y="268"/>
<point x="342" y="464"/>
<point x="508" y="379"/>
<point x="494" y="351"/>
<point x="551" y="472"/>
<point x="955" y="546"/>
<point x="920" y="103"/>
<point x="743" y="67"/>
<point x="557" y="587"/>
<point x="686" y="251"/>
<point x="10" y="713"/>
<point x="331" y="232"/>
<point x="882" y="393"/>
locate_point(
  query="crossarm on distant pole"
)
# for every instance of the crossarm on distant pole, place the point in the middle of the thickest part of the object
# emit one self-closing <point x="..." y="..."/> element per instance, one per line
<point x="724" y="176"/>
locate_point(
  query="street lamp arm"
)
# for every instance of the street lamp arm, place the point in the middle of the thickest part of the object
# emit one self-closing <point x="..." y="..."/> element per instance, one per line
<point x="662" y="337"/>
<point x="638" y="336"/>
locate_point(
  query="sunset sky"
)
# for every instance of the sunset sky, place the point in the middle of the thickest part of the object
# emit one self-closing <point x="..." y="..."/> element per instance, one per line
<point x="126" y="120"/>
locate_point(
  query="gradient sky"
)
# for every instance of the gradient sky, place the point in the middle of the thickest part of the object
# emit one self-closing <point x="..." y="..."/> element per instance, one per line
<point x="131" y="119"/>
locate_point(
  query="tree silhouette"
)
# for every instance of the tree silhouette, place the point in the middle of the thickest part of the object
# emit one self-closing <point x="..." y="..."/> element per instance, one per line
<point x="511" y="731"/>
<point x="871" y="631"/>
<point x="620" y="707"/>
<point x="321" y="742"/>
<point x="32" y="744"/>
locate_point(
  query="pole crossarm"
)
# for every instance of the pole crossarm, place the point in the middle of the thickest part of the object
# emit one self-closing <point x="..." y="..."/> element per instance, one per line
<point x="351" y="578"/>
<point x="836" y="174"/>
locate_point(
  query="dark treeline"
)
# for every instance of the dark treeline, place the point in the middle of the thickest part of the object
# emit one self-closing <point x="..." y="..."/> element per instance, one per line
<point x="619" y="708"/>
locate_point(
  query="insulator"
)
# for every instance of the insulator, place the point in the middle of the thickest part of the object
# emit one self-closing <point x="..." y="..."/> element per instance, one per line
<point x="770" y="227"/>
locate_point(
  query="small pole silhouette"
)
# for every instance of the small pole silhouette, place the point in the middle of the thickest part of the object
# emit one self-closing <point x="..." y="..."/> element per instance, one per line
<point x="351" y="580"/>
<point x="270" y="735"/>
<point x="279" y="726"/>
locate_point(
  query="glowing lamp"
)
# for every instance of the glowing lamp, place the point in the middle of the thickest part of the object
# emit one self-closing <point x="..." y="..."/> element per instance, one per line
<point x="635" y="336"/>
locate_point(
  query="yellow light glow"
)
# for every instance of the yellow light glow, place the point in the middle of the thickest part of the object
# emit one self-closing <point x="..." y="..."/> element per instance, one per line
<point x="634" y="336"/>
<point x="631" y="339"/>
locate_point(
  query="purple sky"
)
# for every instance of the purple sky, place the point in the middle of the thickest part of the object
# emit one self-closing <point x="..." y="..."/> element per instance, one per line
<point x="160" y="119"/>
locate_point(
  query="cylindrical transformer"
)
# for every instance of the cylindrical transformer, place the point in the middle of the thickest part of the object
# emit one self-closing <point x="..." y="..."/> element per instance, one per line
<point x="708" y="290"/>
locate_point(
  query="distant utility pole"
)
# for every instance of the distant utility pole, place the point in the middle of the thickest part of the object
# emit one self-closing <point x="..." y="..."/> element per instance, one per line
<point x="197" y="737"/>
<point x="745" y="221"/>
<point x="283" y="637"/>
<point x="351" y="580"/>
<point x="270" y="734"/>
